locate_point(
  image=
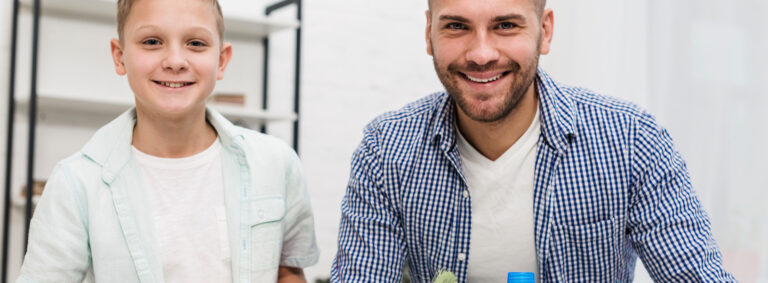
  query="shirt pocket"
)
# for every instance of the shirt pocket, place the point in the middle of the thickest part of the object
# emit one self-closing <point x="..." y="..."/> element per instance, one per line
<point x="266" y="220"/>
<point x="586" y="253"/>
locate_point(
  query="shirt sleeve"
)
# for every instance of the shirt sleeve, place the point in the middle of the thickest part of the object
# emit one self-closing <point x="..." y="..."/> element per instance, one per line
<point x="371" y="242"/>
<point x="667" y="225"/>
<point x="299" y="245"/>
<point x="58" y="249"/>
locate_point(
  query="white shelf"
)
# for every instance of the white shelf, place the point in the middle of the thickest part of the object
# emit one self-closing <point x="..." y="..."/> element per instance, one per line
<point x="113" y="107"/>
<point x="105" y="10"/>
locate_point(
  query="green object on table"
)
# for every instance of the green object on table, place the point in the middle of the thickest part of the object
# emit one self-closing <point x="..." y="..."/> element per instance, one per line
<point x="445" y="277"/>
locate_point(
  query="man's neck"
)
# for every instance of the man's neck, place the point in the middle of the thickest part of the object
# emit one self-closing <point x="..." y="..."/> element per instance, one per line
<point x="172" y="138"/>
<point x="492" y="139"/>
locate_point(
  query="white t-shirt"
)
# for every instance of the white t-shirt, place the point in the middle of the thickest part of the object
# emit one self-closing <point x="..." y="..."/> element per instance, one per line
<point x="190" y="218"/>
<point x="501" y="193"/>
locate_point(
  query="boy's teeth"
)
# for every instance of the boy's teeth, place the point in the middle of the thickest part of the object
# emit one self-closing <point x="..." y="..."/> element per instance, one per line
<point x="484" y="80"/>
<point x="173" y="85"/>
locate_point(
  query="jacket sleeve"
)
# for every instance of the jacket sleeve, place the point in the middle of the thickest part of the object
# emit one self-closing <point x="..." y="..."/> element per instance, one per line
<point x="299" y="245"/>
<point x="668" y="227"/>
<point x="371" y="243"/>
<point x="58" y="248"/>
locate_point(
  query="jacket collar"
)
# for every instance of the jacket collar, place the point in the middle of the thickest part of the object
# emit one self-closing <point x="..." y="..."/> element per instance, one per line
<point x="110" y="147"/>
<point x="557" y="115"/>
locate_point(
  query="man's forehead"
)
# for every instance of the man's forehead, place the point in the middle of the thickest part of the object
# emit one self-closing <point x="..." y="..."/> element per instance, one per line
<point x="485" y="6"/>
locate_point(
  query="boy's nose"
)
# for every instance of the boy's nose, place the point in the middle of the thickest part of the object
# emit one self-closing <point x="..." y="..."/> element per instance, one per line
<point x="175" y="61"/>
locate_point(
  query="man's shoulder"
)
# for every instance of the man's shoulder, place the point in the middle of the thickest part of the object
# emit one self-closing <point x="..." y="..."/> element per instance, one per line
<point x="415" y="116"/>
<point x="589" y="103"/>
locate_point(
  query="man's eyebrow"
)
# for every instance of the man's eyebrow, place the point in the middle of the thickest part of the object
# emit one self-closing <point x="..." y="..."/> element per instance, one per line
<point x="453" y="18"/>
<point x="508" y="17"/>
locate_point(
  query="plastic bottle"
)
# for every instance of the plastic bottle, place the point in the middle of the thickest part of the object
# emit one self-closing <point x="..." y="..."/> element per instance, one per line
<point x="520" y="277"/>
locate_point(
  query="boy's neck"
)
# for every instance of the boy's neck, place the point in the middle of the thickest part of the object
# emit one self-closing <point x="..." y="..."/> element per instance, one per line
<point x="172" y="138"/>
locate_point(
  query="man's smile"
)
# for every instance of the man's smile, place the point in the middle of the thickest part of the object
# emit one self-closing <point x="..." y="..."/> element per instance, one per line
<point x="483" y="77"/>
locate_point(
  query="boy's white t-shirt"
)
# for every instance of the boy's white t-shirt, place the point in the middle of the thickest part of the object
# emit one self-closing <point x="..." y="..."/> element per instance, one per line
<point x="501" y="193"/>
<point x="189" y="213"/>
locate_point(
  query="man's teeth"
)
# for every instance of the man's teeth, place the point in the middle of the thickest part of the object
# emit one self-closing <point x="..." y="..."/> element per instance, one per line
<point x="173" y="85"/>
<point x="484" y="80"/>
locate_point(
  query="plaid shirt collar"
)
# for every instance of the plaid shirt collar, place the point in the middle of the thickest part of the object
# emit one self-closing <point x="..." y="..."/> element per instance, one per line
<point x="557" y="116"/>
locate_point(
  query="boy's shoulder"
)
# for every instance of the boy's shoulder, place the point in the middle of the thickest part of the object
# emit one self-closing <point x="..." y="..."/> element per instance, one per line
<point x="264" y="145"/>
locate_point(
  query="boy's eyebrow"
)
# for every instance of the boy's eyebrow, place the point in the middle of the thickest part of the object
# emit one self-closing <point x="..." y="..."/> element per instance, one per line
<point x="141" y="27"/>
<point x="192" y="29"/>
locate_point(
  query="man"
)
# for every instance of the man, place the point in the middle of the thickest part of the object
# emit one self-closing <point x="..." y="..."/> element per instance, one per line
<point x="509" y="171"/>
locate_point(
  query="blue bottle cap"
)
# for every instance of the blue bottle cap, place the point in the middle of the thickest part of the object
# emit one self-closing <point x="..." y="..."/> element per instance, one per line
<point x="520" y="277"/>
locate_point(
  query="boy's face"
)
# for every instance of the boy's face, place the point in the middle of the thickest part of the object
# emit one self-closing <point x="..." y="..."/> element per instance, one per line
<point x="172" y="55"/>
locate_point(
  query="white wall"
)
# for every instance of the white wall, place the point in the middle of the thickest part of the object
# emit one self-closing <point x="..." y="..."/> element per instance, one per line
<point x="708" y="86"/>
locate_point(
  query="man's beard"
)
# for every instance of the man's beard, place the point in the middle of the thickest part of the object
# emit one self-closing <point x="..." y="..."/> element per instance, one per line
<point x="522" y="79"/>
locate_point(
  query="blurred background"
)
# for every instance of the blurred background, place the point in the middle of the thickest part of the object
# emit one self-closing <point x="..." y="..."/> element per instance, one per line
<point x="700" y="66"/>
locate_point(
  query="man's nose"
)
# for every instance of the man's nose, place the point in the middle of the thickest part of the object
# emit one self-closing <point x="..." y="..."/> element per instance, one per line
<point x="175" y="59"/>
<point x="482" y="50"/>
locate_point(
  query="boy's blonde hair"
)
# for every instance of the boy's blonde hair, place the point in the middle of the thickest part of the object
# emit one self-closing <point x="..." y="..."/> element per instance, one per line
<point x="124" y="9"/>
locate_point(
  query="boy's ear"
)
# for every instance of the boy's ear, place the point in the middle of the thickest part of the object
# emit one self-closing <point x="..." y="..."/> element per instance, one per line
<point x="117" y="56"/>
<point x="224" y="56"/>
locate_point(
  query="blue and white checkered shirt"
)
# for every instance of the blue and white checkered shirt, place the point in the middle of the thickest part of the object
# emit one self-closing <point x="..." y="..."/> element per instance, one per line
<point x="609" y="187"/>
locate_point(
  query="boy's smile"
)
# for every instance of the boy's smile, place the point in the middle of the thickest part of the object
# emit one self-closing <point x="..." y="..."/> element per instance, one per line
<point x="173" y="84"/>
<point x="172" y="55"/>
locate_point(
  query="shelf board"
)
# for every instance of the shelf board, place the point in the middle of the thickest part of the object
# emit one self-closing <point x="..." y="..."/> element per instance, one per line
<point x="84" y="106"/>
<point x="105" y="10"/>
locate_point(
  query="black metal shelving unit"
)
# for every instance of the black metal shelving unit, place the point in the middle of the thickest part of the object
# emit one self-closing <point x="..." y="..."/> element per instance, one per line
<point x="32" y="111"/>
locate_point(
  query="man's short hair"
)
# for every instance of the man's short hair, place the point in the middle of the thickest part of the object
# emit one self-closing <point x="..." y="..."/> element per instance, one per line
<point x="540" y="4"/>
<point x="124" y="9"/>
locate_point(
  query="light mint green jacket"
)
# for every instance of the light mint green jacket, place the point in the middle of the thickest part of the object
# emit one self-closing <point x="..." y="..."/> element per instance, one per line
<point x="94" y="216"/>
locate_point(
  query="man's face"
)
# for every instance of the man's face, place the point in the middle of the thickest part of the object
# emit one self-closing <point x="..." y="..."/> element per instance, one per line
<point x="486" y="52"/>
<point x="172" y="55"/>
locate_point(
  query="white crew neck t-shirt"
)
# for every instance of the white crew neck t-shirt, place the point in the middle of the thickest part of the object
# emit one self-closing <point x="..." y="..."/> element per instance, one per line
<point x="501" y="192"/>
<point x="189" y="215"/>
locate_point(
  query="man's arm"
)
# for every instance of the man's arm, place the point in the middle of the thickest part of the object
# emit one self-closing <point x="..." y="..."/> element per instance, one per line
<point x="371" y="240"/>
<point x="58" y="248"/>
<point x="668" y="227"/>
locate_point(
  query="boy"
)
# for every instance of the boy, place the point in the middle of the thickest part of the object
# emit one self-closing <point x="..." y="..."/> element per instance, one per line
<point x="171" y="191"/>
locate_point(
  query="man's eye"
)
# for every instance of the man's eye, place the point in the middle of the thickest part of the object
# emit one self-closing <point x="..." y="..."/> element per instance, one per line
<point x="151" y="41"/>
<point x="507" y="25"/>
<point x="455" y="26"/>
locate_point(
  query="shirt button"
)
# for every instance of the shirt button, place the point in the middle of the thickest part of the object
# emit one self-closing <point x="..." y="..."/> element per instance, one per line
<point x="465" y="193"/>
<point x="462" y="256"/>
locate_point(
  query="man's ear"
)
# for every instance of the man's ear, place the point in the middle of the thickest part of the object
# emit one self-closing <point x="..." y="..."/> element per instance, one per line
<point x="224" y="56"/>
<point x="547" y="30"/>
<point x="428" y="36"/>
<point x="117" y="56"/>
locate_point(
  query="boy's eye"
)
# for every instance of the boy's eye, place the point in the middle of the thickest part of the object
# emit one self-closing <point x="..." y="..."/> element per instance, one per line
<point x="197" y="43"/>
<point x="507" y="25"/>
<point x="151" y="41"/>
<point x="455" y="26"/>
